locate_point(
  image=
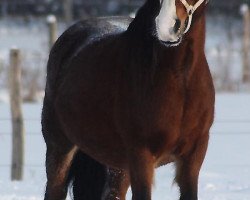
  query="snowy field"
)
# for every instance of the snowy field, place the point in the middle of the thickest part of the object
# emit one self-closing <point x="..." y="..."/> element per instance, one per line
<point x="225" y="174"/>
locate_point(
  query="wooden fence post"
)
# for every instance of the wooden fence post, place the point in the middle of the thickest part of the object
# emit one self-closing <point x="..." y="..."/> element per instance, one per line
<point x="68" y="11"/>
<point x="17" y="116"/>
<point x="246" y="43"/>
<point x="52" y="26"/>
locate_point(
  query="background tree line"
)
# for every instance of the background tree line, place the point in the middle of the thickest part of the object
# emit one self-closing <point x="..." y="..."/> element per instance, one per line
<point x="83" y="8"/>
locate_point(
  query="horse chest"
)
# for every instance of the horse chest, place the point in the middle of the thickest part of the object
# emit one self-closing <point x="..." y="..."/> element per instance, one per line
<point x="169" y="121"/>
<point x="159" y="102"/>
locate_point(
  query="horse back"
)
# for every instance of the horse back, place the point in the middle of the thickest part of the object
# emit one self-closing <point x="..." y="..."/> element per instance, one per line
<point x="74" y="39"/>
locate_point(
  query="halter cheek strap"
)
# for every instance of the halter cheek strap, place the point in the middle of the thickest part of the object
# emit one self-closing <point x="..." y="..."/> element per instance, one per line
<point x="190" y="10"/>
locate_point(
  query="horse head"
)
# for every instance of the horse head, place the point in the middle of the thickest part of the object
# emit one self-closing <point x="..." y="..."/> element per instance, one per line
<point x="175" y="19"/>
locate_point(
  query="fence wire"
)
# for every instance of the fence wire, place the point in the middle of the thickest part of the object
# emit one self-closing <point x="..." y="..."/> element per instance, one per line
<point x="39" y="134"/>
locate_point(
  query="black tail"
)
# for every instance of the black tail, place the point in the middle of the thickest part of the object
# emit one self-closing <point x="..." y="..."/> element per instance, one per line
<point x="87" y="177"/>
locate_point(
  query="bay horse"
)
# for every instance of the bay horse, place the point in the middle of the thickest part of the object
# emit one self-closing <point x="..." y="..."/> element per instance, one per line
<point x="125" y="96"/>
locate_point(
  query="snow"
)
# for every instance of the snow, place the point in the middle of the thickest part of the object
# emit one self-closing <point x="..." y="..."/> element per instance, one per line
<point x="244" y="8"/>
<point x="225" y="174"/>
<point x="51" y="19"/>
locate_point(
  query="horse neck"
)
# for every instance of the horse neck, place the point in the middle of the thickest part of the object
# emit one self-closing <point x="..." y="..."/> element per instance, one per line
<point x="145" y="51"/>
<point x="197" y="34"/>
<point x="190" y="50"/>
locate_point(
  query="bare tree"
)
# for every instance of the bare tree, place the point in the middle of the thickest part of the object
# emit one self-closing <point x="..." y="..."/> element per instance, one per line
<point x="4" y="7"/>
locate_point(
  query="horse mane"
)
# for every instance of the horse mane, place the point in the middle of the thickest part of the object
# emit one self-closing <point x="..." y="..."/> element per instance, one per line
<point x="141" y="47"/>
<point x="145" y="19"/>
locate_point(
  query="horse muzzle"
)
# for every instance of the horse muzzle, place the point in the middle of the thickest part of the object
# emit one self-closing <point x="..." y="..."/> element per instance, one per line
<point x="170" y="29"/>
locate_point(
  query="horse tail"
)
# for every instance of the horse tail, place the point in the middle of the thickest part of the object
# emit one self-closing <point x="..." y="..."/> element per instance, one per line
<point x="87" y="178"/>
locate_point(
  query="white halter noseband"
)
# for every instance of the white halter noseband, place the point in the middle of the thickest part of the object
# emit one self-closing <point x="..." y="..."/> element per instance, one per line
<point x="190" y="10"/>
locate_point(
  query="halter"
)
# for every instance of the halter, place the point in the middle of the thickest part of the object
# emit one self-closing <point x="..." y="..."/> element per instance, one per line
<point x="191" y="9"/>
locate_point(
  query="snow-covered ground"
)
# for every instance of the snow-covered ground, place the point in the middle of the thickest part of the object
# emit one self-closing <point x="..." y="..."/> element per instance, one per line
<point x="225" y="174"/>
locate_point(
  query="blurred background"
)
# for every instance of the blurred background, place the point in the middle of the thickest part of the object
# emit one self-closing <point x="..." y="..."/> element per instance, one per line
<point x="28" y="29"/>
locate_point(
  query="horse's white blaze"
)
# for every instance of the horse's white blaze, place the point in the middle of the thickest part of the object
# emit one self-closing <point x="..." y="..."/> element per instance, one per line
<point x="165" y="21"/>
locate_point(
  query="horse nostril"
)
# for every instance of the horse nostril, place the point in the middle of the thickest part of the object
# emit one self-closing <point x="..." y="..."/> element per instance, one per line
<point x="177" y="25"/>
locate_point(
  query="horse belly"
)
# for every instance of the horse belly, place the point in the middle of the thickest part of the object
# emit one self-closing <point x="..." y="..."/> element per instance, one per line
<point x="108" y="151"/>
<point x="94" y="133"/>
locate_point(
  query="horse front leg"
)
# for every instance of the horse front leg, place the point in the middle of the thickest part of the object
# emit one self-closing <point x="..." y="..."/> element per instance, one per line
<point x="188" y="168"/>
<point x="117" y="184"/>
<point x="141" y="169"/>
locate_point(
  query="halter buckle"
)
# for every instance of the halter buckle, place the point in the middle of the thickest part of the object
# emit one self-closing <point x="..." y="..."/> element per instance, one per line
<point x="190" y="10"/>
